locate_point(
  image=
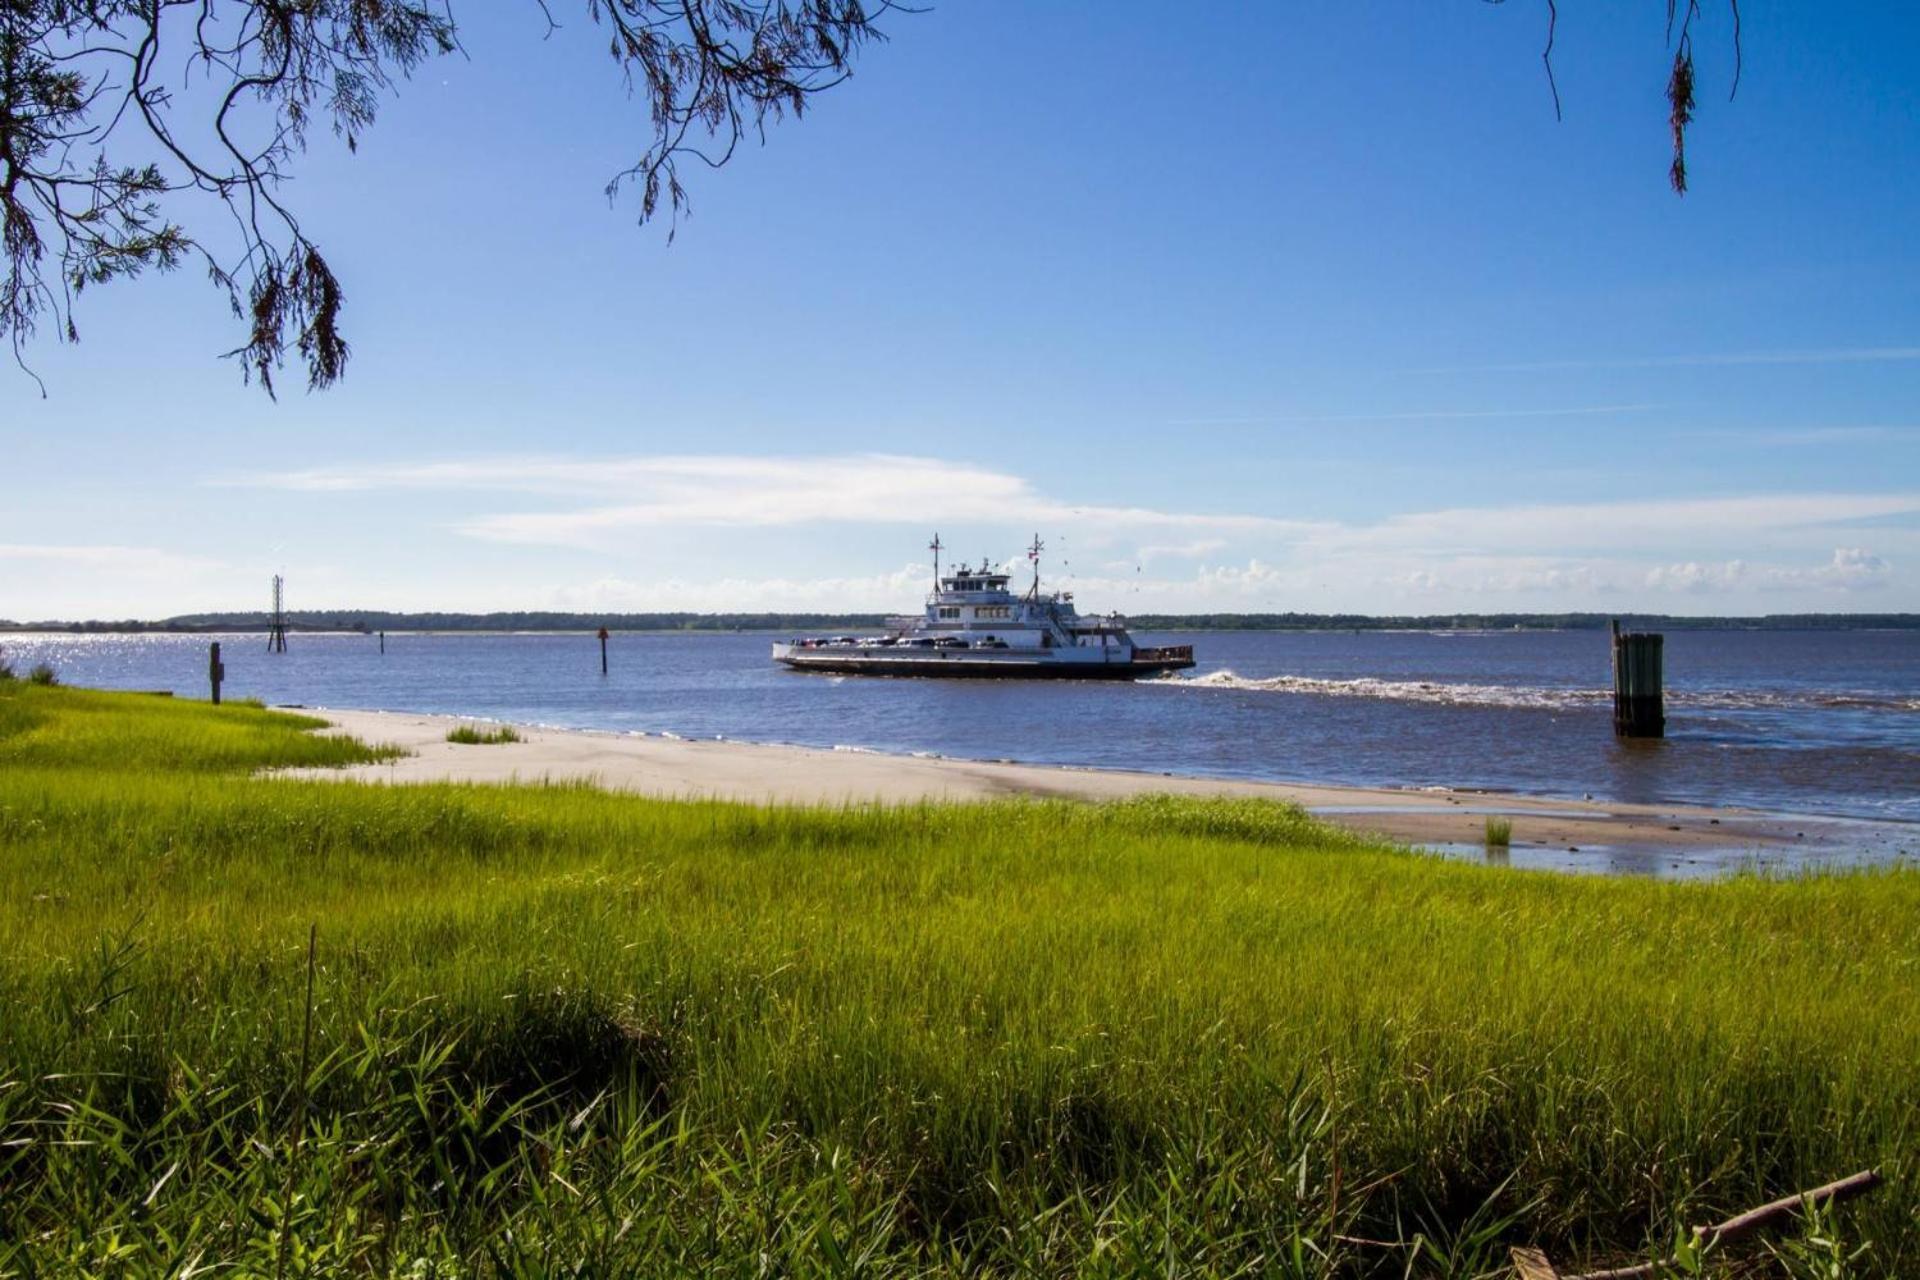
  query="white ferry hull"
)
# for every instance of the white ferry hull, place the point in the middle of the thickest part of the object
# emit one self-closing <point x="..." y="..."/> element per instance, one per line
<point x="987" y="664"/>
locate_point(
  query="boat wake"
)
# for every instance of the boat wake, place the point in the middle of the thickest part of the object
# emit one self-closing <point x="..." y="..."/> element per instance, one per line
<point x="1532" y="697"/>
<point x="1457" y="695"/>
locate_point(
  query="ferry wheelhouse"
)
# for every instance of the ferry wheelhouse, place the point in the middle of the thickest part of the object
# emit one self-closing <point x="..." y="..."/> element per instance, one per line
<point x="975" y="626"/>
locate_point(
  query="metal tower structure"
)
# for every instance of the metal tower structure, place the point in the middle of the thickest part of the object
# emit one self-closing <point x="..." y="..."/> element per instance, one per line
<point x="277" y="631"/>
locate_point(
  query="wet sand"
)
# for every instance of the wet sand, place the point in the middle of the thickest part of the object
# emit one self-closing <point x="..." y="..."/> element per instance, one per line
<point x="1567" y="834"/>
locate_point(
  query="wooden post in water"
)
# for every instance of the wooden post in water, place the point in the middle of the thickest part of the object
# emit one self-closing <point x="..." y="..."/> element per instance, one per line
<point x="383" y="642"/>
<point x="216" y="670"/>
<point x="1639" y="701"/>
<point x="603" y="651"/>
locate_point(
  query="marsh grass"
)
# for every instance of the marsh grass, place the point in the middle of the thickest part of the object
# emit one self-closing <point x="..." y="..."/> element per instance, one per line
<point x="43" y="675"/>
<point x="477" y="736"/>
<point x="557" y="1031"/>
<point x="1499" y="832"/>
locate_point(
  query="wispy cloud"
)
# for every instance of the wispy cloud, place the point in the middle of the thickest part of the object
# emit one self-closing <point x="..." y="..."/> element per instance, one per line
<point x="1795" y="436"/>
<point x="49" y="580"/>
<point x="1615" y="526"/>
<point x="1415" y="415"/>
<point x="1529" y="555"/>
<point x="141" y="561"/>
<point x="1840" y="355"/>
<point x="1192" y="550"/>
<point x="748" y="491"/>
<point x="742" y="491"/>
<point x="864" y="593"/>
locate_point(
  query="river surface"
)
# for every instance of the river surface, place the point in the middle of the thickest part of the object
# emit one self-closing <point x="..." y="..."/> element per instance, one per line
<point x="1808" y="722"/>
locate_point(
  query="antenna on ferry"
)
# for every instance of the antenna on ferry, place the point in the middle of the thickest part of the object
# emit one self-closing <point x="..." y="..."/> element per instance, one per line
<point x="1033" y="554"/>
<point x="936" y="548"/>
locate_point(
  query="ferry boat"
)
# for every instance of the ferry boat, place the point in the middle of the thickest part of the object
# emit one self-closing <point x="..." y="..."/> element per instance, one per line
<point x="975" y="626"/>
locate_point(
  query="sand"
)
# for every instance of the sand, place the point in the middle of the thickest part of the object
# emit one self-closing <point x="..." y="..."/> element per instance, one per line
<point x="672" y="767"/>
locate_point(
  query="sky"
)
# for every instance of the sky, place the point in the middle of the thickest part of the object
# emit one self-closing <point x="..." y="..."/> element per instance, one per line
<point x="1240" y="308"/>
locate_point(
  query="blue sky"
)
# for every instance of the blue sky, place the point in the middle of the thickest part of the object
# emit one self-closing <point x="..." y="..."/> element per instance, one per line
<point x="1266" y="308"/>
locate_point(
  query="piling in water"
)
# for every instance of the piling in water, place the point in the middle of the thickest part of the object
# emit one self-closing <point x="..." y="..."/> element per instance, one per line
<point x="1639" y="702"/>
<point x="603" y="651"/>
<point x="216" y="670"/>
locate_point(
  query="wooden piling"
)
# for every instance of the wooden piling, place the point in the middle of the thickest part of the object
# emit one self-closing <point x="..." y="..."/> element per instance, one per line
<point x="216" y="670"/>
<point x="1639" y="700"/>
<point x="383" y="642"/>
<point x="603" y="651"/>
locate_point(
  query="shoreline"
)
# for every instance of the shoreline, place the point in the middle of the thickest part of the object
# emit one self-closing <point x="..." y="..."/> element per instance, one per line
<point x="1563" y="834"/>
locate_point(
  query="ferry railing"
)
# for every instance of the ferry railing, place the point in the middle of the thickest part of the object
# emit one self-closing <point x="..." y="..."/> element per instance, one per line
<point x="1163" y="653"/>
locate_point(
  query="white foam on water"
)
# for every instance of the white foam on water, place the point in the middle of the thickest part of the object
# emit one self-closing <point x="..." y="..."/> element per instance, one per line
<point x="1535" y="697"/>
<point x="1461" y="695"/>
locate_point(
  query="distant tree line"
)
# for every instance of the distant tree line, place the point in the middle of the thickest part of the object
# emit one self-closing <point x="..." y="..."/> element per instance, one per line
<point x="1518" y="622"/>
<point x="369" y="621"/>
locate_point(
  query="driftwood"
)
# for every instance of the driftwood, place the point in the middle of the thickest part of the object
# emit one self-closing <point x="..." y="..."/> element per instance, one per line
<point x="1755" y="1219"/>
<point x="1532" y="1264"/>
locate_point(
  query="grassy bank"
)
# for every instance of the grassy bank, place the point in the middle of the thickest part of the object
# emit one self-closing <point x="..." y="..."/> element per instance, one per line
<point x="559" y="1032"/>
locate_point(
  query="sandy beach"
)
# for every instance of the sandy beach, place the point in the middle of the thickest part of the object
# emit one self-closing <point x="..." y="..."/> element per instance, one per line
<point x="663" y="766"/>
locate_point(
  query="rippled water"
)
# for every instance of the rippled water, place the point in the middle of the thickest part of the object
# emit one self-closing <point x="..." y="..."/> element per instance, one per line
<point x="1818" y="722"/>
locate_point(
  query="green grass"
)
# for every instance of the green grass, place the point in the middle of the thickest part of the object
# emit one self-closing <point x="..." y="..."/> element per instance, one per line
<point x="1499" y="833"/>
<point x="475" y="736"/>
<point x="561" y="1032"/>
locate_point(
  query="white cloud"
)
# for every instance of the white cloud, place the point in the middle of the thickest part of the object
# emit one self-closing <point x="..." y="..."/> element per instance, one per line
<point x="1853" y="568"/>
<point x="1613" y="526"/>
<point x="1850" y="569"/>
<point x="1192" y="550"/>
<point x="740" y="491"/>
<point x="1505" y="576"/>
<point x="138" y="561"/>
<point x="1748" y="551"/>
<point x="45" y="581"/>
<point x="899" y="589"/>
<point x="625" y="494"/>
<point x="1252" y="586"/>
<point x="1696" y="578"/>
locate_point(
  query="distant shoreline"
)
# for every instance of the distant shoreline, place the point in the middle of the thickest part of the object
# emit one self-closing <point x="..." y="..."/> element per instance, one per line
<point x="370" y="622"/>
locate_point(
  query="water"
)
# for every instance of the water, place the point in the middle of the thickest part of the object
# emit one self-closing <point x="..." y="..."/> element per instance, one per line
<point x="1809" y="722"/>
